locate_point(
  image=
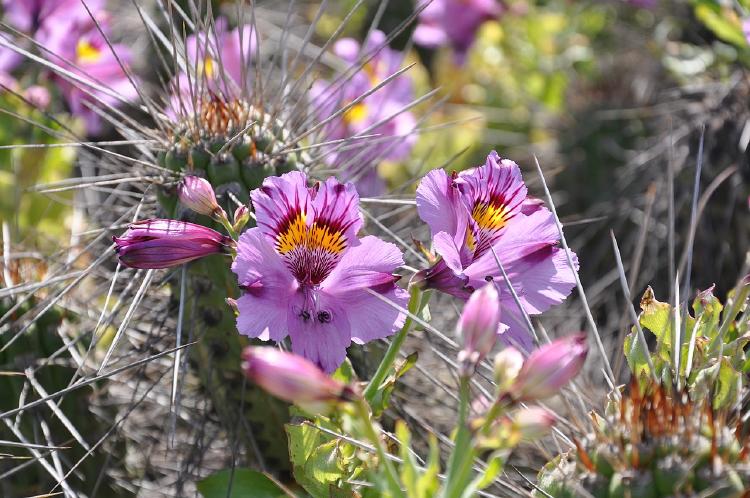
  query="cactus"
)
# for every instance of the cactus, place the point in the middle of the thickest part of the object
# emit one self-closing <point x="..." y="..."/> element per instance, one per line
<point x="235" y="147"/>
<point x="231" y="143"/>
<point x="655" y="442"/>
<point x="660" y="440"/>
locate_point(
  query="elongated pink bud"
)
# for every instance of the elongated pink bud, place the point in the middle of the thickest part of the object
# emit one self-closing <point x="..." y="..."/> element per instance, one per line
<point x="197" y="194"/>
<point x="159" y="243"/>
<point x="550" y="367"/>
<point x="293" y="378"/>
<point x="477" y="327"/>
<point x="533" y="422"/>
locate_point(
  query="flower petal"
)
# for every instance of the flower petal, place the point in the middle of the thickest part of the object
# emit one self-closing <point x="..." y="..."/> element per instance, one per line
<point x="336" y="205"/>
<point x="321" y="339"/>
<point x="367" y="265"/>
<point x="280" y="199"/>
<point x="523" y="235"/>
<point x="268" y="287"/>
<point x="439" y="204"/>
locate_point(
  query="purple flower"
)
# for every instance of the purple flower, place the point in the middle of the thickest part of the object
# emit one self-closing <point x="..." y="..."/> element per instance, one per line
<point x="96" y="62"/>
<point x="382" y="108"/>
<point x="71" y="37"/>
<point x="305" y="272"/>
<point x="220" y="60"/>
<point x="550" y="367"/>
<point x="454" y="23"/>
<point x="746" y="29"/>
<point x="159" y="243"/>
<point x="487" y="207"/>
<point x="293" y="379"/>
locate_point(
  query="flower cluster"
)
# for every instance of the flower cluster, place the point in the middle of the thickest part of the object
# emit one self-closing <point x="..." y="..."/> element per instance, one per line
<point x="304" y="272"/>
<point x="453" y="23"/>
<point x="382" y="112"/>
<point x="74" y="35"/>
<point x="484" y="216"/>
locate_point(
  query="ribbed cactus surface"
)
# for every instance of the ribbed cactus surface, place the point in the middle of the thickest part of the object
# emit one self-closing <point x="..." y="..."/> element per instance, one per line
<point x="655" y="443"/>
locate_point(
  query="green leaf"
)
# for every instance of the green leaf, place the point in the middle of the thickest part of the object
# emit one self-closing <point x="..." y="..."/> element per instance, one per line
<point x="409" y="472"/>
<point x="245" y="483"/>
<point x="723" y="21"/>
<point x="382" y="398"/>
<point x="636" y="355"/>
<point x="727" y="386"/>
<point x="428" y="483"/>
<point x="320" y="462"/>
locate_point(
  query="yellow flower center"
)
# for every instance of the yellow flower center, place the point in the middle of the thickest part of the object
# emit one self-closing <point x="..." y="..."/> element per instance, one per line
<point x="209" y="67"/>
<point x="490" y="216"/>
<point x="317" y="236"/>
<point x="356" y="113"/>
<point x="86" y="53"/>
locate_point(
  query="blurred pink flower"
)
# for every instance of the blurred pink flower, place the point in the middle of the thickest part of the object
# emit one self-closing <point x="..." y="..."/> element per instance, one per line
<point x="219" y="61"/>
<point x="383" y="108"/>
<point x="159" y="243"/>
<point x="533" y="422"/>
<point x="488" y="207"/>
<point x="550" y="367"/>
<point x="72" y="33"/>
<point x="305" y="273"/>
<point x="292" y="378"/>
<point x="454" y="23"/>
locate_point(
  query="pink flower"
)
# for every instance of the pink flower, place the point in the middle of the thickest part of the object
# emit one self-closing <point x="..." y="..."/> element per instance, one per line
<point x="160" y="243"/>
<point x="198" y="195"/>
<point x="488" y="207"/>
<point x="477" y="327"/>
<point x="533" y="422"/>
<point x="293" y="379"/>
<point x="454" y="23"/>
<point x="72" y="39"/>
<point x="220" y="60"/>
<point x="383" y="107"/>
<point x="305" y="272"/>
<point x="550" y="367"/>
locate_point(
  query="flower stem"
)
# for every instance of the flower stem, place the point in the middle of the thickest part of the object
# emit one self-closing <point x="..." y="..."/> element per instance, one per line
<point x="462" y="457"/>
<point x="363" y="410"/>
<point x="222" y="218"/>
<point x="416" y="303"/>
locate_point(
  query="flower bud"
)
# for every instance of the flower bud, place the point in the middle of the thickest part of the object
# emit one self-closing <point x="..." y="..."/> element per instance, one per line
<point x="159" y="243"/>
<point x="477" y="327"/>
<point x="508" y="363"/>
<point x="533" y="422"/>
<point x="241" y="217"/>
<point x="550" y="367"/>
<point x="293" y="378"/>
<point x="197" y="194"/>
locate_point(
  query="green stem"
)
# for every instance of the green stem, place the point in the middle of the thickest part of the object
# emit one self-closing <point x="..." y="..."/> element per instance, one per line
<point x="416" y="303"/>
<point x="363" y="410"/>
<point x="222" y="218"/>
<point x="462" y="456"/>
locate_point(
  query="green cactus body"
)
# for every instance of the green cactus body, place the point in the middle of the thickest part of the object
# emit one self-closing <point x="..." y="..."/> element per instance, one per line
<point x="233" y="144"/>
<point x="257" y="418"/>
<point x="656" y="443"/>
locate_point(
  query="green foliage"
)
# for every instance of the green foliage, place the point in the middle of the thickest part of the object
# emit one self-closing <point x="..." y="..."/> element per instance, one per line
<point x="243" y="483"/>
<point x="36" y="218"/>
<point x="712" y="355"/>
<point x="321" y="463"/>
